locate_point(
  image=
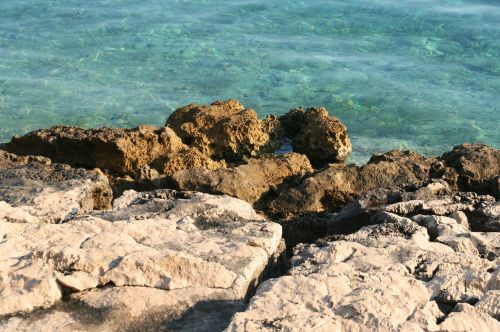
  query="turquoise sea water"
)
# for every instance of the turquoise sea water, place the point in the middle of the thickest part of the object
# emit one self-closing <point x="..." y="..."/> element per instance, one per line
<point x="420" y="74"/>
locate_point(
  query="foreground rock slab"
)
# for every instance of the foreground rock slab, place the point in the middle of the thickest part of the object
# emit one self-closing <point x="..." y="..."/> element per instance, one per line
<point x="34" y="190"/>
<point x="390" y="276"/>
<point x="156" y="256"/>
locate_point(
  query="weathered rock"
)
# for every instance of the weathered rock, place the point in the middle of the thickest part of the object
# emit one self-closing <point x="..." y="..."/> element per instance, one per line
<point x="478" y="167"/>
<point x="250" y="181"/>
<point x="223" y="130"/>
<point x="316" y="134"/>
<point x="121" y="151"/>
<point x="334" y="187"/>
<point x="33" y="190"/>
<point x="183" y="247"/>
<point x="384" y="277"/>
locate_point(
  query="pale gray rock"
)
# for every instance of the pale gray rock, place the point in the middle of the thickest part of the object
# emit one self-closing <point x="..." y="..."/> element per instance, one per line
<point x="155" y="252"/>
<point x="35" y="191"/>
<point x="389" y="276"/>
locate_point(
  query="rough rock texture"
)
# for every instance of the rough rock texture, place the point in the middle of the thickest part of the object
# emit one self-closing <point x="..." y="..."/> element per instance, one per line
<point x="250" y="181"/>
<point x="316" y="134"/>
<point x="389" y="276"/>
<point x="122" y="151"/>
<point x="223" y="130"/>
<point x="433" y="203"/>
<point x="478" y="168"/>
<point x="33" y="190"/>
<point x="334" y="187"/>
<point x="153" y="260"/>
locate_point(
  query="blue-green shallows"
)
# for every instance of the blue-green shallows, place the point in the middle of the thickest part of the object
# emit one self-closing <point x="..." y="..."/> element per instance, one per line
<point x="419" y="74"/>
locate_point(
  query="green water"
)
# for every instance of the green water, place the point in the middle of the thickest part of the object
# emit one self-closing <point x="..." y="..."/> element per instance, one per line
<point x="419" y="74"/>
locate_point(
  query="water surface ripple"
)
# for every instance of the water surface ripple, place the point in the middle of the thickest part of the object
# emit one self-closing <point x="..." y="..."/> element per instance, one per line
<point x="419" y="74"/>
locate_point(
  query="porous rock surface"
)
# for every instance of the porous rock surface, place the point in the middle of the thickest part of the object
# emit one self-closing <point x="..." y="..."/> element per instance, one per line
<point x="478" y="168"/>
<point x="121" y="151"/>
<point x="153" y="260"/>
<point x="321" y="137"/>
<point x="249" y="181"/>
<point x="427" y="273"/>
<point x="34" y="190"/>
<point x="335" y="186"/>
<point x="223" y="130"/>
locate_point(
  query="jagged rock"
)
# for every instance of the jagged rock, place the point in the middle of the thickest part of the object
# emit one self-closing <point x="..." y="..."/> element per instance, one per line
<point x="334" y="187"/>
<point x="33" y="190"/>
<point x="122" y="151"/>
<point x="316" y="134"/>
<point x="175" y="249"/>
<point x="250" y="181"/>
<point x="478" y="167"/>
<point x="223" y="130"/>
<point x="186" y="159"/>
<point x="384" y="277"/>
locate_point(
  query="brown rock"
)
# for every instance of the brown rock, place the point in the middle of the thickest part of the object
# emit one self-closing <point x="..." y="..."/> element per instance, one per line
<point x="121" y="151"/>
<point x="250" y="181"/>
<point x="223" y="130"/>
<point x="478" y="167"/>
<point x="334" y="187"/>
<point x="316" y="134"/>
<point x="186" y="159"/>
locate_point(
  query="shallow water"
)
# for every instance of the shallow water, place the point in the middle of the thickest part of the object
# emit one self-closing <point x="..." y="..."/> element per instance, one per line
<point x="420" y="74"/>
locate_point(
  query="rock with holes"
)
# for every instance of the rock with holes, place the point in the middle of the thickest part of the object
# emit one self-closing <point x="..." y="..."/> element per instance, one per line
<point x="478" y="167"/>
<point x="334" y="187"/>
<point x="251" y="181"/>
<point x="388" y="276"/>
<point x="155" y="253"/>
<point x="34" y="190"/>
<point x="224" y="130"/>
<point x="321" y="137"/>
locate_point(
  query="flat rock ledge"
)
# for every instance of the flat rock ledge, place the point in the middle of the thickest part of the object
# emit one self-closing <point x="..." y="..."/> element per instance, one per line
<point x="153" y="261"/>
<point x="427" y="272"/>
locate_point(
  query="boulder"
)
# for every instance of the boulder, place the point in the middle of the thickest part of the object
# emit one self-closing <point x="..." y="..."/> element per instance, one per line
<point x="321" y="137"/>
<point x="223" y="130"/>
<point x="250" y="181"/>
<point x="118" y="150"/>
<point x="34" y="190"/>
<point x="478" y="167"/>
<point x="332" y="188"/>
<point x="389" y="276"/>
<point x="155" y="259"/>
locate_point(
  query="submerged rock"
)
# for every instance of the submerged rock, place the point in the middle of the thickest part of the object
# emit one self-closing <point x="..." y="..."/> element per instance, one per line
<point x="34" y="190"/>
<point x="223" y="130"/>
<point x="250" y="181"/>
<point x="158" y="253"/>
<point x="322" y="138"/>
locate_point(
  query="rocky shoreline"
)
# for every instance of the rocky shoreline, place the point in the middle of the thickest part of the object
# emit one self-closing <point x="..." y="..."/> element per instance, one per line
<point x="201" y="225"/>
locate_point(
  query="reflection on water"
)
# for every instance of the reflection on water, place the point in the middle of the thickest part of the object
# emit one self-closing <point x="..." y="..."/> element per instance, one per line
<point x="421" y="74"/>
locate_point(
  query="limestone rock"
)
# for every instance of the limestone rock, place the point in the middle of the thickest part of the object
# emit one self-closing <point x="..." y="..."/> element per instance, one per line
<point x="250" y="181"/>
<point x="222" y="130"/>
<point x="316" y="134"/>
<point x="121" y="151"/>
<point x="176" y="249"/>
<point x="33" y="190"/>
<point x="478" y="167"/>
<point x="388" y="276"/>
<point x="332" y="188"/>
